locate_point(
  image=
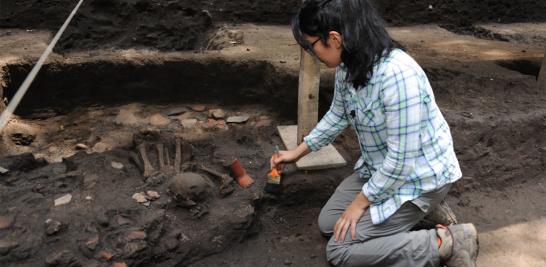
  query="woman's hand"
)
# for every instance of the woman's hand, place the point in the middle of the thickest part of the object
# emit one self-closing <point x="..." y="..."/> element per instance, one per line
<point x="350" y="218"/>
<point x="278" y="160"/>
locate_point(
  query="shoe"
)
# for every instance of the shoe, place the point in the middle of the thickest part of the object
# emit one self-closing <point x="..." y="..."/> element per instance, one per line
<point x="459" y="246"/>
<point x="441" y="214"/>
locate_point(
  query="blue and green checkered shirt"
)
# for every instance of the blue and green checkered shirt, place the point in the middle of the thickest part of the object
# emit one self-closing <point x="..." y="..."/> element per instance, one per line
<point x="405" y="143"/>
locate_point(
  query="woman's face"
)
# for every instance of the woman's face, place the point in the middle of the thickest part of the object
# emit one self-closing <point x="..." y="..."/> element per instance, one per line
<point x="330" y="52"/>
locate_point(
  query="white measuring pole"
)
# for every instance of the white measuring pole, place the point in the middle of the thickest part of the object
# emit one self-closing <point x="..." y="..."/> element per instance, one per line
<point x="4" y="118"/>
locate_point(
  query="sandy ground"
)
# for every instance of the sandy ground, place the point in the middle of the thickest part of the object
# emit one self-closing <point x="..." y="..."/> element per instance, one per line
<point x="496" y="115"/>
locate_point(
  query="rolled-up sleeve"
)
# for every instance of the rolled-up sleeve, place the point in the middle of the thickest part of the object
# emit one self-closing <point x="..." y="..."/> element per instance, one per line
<point x="333" y="122"/>
<point x="402" y="102"/>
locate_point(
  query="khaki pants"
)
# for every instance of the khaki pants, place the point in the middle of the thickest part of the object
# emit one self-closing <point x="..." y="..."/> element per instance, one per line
<point x="390" y="243"/>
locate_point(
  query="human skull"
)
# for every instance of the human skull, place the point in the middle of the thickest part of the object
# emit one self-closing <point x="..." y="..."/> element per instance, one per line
<point x="189" y="188"/>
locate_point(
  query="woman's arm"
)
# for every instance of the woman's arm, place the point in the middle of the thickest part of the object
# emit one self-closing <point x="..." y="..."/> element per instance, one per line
<point x="329" y="127"/>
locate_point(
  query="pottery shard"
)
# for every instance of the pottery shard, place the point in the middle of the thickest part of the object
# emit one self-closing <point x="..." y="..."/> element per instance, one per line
<point x="105" y="254"/>
<point x="237" y="119"/>
<point x="120" y="264"/>
<point x="6" y="221"/>
<point x="159" y="120"/>
<point x="136" y="235"/>
<point x="63" y="200"/>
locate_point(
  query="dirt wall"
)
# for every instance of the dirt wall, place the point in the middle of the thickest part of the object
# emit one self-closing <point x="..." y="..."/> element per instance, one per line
<point x="183" y="25"/>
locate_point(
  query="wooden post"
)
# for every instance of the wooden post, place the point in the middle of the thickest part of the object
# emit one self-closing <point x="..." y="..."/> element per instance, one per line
<point x="308" y="91"/>
<point x="541" y="81"/>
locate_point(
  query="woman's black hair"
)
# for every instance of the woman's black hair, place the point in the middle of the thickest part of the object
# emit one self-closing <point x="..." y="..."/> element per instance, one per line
<point x="363" y="32"/>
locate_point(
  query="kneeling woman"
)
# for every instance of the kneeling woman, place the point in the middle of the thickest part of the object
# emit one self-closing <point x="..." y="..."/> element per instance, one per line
<point x="407" y="162"/>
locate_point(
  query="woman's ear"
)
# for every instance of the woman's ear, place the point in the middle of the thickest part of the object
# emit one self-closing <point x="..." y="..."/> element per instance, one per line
<point x="335" y="39"/>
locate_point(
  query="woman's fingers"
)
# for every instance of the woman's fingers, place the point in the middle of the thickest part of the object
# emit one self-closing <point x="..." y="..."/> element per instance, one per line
<point x="337" y="229"/>
<point x="340" y="230"/>
<point x="343" y="233"/>
<point x="353" y="230"/>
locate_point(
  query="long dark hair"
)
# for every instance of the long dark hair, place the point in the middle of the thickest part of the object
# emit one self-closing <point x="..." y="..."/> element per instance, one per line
<point x="365" y="38"/>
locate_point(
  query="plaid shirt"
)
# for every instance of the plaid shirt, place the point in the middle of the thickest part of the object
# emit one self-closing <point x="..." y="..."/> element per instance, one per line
<point x="405" y="143"/>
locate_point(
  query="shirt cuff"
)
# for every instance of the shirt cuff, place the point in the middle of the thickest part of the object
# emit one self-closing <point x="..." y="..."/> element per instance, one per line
<point x="309" y="141"/>
<point x="366" y="191"/>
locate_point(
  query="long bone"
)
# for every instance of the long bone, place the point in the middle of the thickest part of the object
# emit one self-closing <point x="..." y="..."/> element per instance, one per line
<point x="148" y="168"/>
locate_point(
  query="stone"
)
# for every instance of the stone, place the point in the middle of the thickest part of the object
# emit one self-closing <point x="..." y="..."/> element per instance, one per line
<point x="217" y="113"/>
<point x="176" y="111"/>
<point x="263" y="121"/>
<point x="120" y="220"/>
<point x="63" y="258"/>
<point x="189" y="123"/>
<point x="6" y="221"/>
<point x="3" y="170"/>
<point x="90" y="180"/>
<point x="159" y="120"/>
<point x="92" y="243"/>
<point x="136" y="235"/>
<point x="127" y="117"/>
<point x="117" y="165"/>
<point x="211" y="123"/>
<point x="140" y="197"/>
<point x="237" y="119"/>
<point x="287" y="262"/>
<point x="198" y="108"/>
<point x="81" y="147"/>
<point x="202" y="116"/>
<point x="53" y="227"/>
<point x="187" y="115"/>
<point x="63" y="200"/>
<point x="89" y="198"/>
<point x="105" y="255"/>
<point x="6" y="246"/>
<point x="152" y="195"/>
<point x="222" y="125"/>
<point x="101" y="147"/>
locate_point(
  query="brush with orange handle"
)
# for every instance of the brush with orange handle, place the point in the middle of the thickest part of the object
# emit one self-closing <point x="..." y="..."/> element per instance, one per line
<point x="274" y="177"/>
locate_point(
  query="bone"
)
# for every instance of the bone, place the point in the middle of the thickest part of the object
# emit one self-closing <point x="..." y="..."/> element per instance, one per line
<point x="225" y="181"/>
<point x="134" y="158"/>
<point x="177" y="157"/>
<point x="167" y="157"/>
<point x="161" y="156"/>
<point x="148" y="168"/>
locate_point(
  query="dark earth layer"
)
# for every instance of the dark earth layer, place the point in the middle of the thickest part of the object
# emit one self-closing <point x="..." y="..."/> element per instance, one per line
<point x="185" y="25"/>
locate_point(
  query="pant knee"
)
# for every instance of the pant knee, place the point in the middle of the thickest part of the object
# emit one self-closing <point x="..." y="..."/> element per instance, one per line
<point x="325" y="224"/>
<point x="336" y="253"/>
